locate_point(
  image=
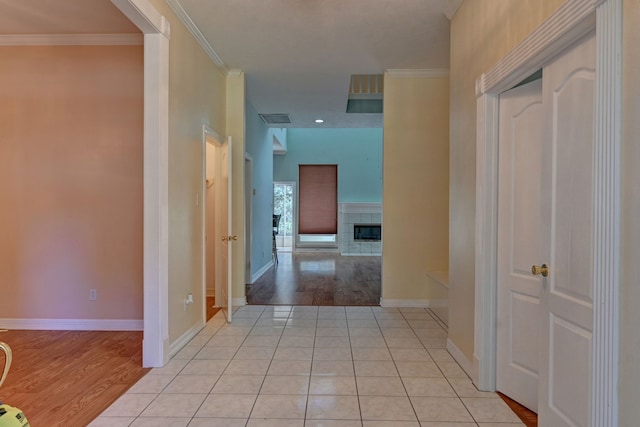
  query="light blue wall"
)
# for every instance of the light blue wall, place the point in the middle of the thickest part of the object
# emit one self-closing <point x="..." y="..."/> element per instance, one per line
<point x="357" y="152"/>
<point x="259" y="144"/>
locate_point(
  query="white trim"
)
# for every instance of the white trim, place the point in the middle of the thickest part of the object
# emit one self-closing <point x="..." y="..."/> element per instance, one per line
<point x="197" y="34"/>
<point x="418" y="73"/>
<point x="184" y="339"/>
<point x="486" y="242"/>
<point x="405" y="303"/>
<point x="234" y="72"/>
<point x="71" y="40"/>
<point x="156" y="29"/>
<point x="213" y="134"/>
<point x="460" y="358"/>
<point x="73" y="324"/>
<point x="350" y="207"/>
<point x="255" y="276"/>
<point x="207" y="134"/>
<point x="451" y="8"/>
<point x="378" y="254"/>
<point x="574" y="19"/>
<point x="607" y="215"/>
<point x="144" y="16"/>
<point x="570" y="22"/>
<point x="239" y="302"/>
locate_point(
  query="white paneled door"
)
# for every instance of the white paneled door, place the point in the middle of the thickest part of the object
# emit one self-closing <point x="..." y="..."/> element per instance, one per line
<point x="545" y="241"/>
<point x="567" y="241"/>
<point x="521" y="129"/>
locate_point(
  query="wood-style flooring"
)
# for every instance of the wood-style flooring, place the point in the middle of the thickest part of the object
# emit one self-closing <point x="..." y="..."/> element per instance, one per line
<point x="67" y="378"/>
<point x="528" y="417"/>
<point x="211" y="308"/>
<point x="319" y="279"/>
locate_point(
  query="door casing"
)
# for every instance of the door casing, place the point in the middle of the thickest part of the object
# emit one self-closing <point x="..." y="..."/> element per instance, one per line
<point x="573" y="20"/>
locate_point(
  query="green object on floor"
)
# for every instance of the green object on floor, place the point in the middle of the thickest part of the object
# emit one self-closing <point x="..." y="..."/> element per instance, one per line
<point x="9" y="416"/>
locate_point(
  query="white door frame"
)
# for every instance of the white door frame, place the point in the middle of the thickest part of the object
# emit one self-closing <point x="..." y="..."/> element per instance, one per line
<point x="294" y="212"/>
<point x="570" y="22"/>
<point x="208" y="135"/>
<point x="155" y="344"/>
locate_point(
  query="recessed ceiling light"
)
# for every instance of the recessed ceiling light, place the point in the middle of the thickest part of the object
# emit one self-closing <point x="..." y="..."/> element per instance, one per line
<point x="319" y="121"/>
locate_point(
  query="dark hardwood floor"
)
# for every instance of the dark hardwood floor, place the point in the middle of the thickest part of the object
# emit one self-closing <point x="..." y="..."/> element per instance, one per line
<point x="319" y="279"/>
<point x="528" y="417"/>
<point x="211" y="308"/>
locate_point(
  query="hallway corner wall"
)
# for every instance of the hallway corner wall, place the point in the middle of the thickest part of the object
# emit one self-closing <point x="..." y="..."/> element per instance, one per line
<point x="416" y="185"/>
<point x="482" y="31"/>
<point x="260" y="146"/>
<point x="197" y="97"/>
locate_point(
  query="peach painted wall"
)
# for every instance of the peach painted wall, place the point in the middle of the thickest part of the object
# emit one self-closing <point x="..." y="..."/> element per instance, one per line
<point x="71" y="188"/>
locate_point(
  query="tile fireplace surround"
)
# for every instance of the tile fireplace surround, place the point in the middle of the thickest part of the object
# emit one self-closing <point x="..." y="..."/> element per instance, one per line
<point x="358" y="213"/>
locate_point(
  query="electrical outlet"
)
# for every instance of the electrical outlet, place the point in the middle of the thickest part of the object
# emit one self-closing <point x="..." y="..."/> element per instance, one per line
<point x="93" y="295"/>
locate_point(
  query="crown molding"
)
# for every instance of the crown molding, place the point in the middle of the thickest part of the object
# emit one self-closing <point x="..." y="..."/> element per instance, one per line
<point x="71" y="40"/>
<point x="571" y="21"/>
<point x="197" y="34"/>
<point x="407" y="73"/>
<point x="451" y="8"/>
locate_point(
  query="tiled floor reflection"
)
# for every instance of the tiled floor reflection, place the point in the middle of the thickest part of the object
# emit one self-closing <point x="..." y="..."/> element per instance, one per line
<point x="312" y="366"/>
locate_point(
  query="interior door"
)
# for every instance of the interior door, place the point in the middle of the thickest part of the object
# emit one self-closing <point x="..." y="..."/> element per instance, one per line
<point x="566" y="244"/>
<point x="520" y="136"/>
<point x="226" y="239"/>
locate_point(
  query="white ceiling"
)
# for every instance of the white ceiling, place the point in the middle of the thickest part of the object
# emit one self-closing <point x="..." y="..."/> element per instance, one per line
<point x="298" y="55"/>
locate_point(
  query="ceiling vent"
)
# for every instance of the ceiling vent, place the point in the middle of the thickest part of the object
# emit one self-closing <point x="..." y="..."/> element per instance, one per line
<point x="365" y="93"/>
<point x="276" y="119"/>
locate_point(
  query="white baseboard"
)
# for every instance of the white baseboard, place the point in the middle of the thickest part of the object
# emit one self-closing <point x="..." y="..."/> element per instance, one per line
<point x="178" y="344"/>
<point x="73" y="324"/>
<point x="303" y="249"/>
<point x="260" y="272"/>
<point x="459" y="356"/>
<point x="476" y="370"/>
<point x="350" y="254"/>
<point x="420" y="303"/>
<point x="239" y="302"/>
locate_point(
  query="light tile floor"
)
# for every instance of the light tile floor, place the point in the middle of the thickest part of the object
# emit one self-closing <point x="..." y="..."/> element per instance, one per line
<point x="312" y="366"/>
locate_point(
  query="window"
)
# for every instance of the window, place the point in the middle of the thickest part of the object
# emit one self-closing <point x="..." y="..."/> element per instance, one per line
<point x="318" y="203"/>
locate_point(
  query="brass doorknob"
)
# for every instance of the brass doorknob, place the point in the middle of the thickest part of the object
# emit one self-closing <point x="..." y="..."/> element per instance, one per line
<point x="537" y="270"/>
<point x="234" y="237"/>
<point x="224" y="238"/>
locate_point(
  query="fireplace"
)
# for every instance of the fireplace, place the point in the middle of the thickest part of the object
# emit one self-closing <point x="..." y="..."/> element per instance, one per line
<point x="367" y="232"/>
<point x="360" y="229"/>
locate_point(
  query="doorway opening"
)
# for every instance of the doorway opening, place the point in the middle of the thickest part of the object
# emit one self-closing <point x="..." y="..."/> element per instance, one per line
<point x="216" y="218"/>
<point x="283" y="205"/>
<point x="248" y="203"/>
